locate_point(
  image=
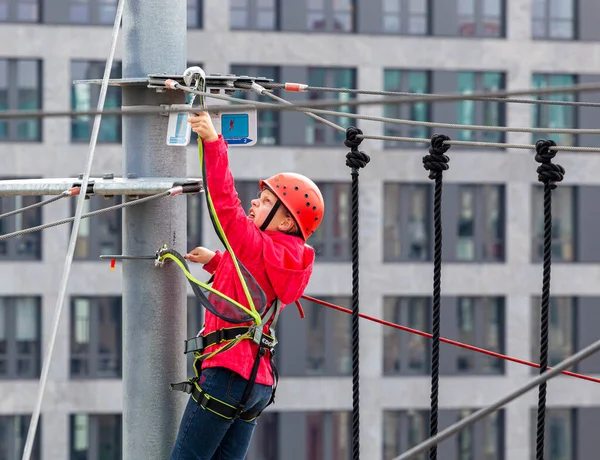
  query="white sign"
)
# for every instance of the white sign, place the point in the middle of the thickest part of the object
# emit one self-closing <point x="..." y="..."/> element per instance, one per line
<point x="179" y="130"/>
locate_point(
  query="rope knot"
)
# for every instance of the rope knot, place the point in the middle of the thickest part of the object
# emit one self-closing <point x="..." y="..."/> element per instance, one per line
<point x="352" y="140"/>
<point x="437" y="162"/>
<point x="549" y="173"/>
<point x="355" y="159"/>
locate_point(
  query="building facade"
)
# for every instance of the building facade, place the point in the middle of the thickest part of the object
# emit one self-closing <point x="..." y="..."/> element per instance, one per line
<point x="492" y="214"/>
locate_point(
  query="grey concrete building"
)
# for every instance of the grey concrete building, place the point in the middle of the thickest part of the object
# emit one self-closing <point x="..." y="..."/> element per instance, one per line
<point x="492" y="222"/>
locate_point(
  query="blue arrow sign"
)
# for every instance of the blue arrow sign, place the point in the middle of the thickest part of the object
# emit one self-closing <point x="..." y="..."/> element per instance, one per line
<point x="238" y="140"/>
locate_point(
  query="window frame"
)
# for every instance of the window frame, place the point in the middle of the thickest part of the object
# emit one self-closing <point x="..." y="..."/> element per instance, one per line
<point x="405" y="194"/>
<point x="396" y="310"/>
<point x="94" y="434"/>
<point x="480" y="212"/>
<point x="329" y="12"/>
<point x="406" y="111"/>
<point x="539" y="112"/>
<point x="12" y="100"/>
<point x="199" y="16"/>
<point x="252" y="10"/>
<point x="90" y="359"/>
<point x="18" y="249"/>
<point x="313" y="127"/>
<point x="569" y="330"/>
<point x="478" y="110"/>
<point x="113" y="95"/>
<point x="404" y="16"/>
<point x="478" y="26"/>
<point x="13" y="355"/>
<point x="537" y="231"/>
<point x="97" y="239"/>
<point x="262" y="115"/>
<point x="547" y="19"/>
<point x="18" y="425"/>
<point x="13" y="8"/>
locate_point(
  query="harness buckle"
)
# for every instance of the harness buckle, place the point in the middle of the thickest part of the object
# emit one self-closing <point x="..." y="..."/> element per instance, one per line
<point x="256" y="333"/>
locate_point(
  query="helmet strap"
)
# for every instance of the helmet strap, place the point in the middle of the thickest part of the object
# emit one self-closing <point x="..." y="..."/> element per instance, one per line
<point x="269" y="218"/>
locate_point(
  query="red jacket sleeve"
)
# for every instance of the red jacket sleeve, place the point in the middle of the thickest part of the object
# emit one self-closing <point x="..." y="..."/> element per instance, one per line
<point x="212" y="264"/>
<point x="243" y="235"/>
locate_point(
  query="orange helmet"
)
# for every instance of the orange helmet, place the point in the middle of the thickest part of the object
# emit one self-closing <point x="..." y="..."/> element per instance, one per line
<point x="301" y="197"/>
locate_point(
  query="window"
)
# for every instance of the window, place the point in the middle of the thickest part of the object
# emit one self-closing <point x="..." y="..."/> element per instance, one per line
<point x="483" y="440"/>
<point x="318" y="133"/>
<point x="331" y="241"/>
<point x="403" y="430"/>
<point x="328" y="338"/>
<point x="96" y="347"/>
<point x="268" y="120"/>
<point x="406" y="354"/>
<point x="194" y="14"/>
<point x="480" y="322"/>
<point x="410" y="17"/>
<point x="85" y="97"/>
<point x="95" y="436"/>
<point x="99" y="12"/>
<point x="480" y="113"/>
<point x="469" y="445"/>
<point x="554" y="19"/>
<point x="19" y="11"/>
<point x="253" y="14"/>
<point x="328" y="435"/>
<point x="480" y="225"/>
<point x="265" y="443"/>
<point x="560" y="434"/>
<point x="407" y="81"/>
<point x="562" y="324"/>
<point x="98" y="235"/>
<point x="24" y="247"/>
<point x="13" y="434"/>
<point x="481" y="18"/>
<point x="26" y="75"/>
<point x="20" y="330"/>
<point x="330" y="15"/>
<point x="554" y="116"/>
<point x="564" y="199"/>
<point x="478" y="220"/>
<point x="407" y="222"/>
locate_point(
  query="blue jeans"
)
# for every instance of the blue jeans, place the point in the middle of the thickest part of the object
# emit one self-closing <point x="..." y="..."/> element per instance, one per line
<point x="204" y="435"/>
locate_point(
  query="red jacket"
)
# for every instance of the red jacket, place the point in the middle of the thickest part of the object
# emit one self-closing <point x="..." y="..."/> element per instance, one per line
<point x="281" y="264"/>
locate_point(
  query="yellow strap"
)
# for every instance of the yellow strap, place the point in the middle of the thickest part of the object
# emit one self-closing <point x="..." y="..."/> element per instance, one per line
<point x="223" y="237"/>
<point x="189" y="276"/>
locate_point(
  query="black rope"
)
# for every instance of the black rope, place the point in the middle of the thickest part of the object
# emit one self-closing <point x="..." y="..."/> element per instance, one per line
<point x="548" y="173"/>
<point x="355" y="159"/>
<point x="436" y="163"/>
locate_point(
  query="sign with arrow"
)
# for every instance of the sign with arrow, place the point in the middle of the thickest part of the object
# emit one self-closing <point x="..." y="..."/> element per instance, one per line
<point x="238" y="128"/>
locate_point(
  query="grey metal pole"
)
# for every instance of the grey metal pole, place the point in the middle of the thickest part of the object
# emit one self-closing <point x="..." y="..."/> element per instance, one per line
<point x="154" y="299"/>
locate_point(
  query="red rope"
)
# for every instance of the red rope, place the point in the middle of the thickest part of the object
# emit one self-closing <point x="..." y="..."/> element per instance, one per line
<point x="448" y="341"/>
